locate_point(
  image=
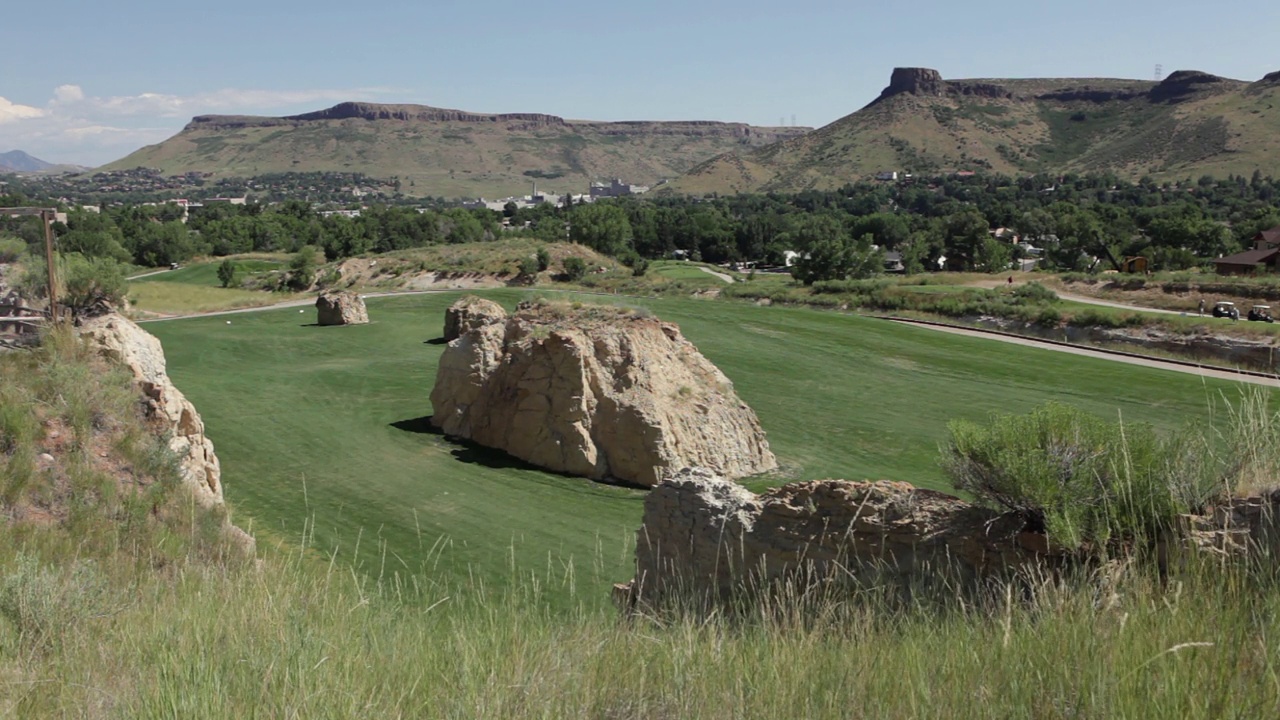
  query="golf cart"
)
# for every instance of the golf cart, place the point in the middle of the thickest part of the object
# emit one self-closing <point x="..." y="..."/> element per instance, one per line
<point x="1224" y="309"/>
<point x="1261" y="313"/>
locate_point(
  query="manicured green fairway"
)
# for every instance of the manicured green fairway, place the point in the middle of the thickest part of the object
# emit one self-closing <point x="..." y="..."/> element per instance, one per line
<point x="327" y="425"/>
<point x="207" y="273"/>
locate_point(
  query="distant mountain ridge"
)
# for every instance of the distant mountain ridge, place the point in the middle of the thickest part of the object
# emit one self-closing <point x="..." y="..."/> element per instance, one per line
<point x="454" y="153"/>
<point x="19" y="161"/>
<point x="1189" y="124"/>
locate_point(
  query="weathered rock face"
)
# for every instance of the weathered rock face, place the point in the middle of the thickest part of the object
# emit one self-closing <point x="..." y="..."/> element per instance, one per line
<point x="119" y="339"/>
<point x="706" y="539"/>
<point x="341" y="308"/>
<point x="468" y="313"/>
<point x="1238" y="526"/>
<point x="929" y="83"/>
<point x="596" y="392"/>
<point x="703" y="536"/>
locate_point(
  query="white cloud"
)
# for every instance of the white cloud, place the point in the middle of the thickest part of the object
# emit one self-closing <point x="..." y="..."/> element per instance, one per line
<point x="80" y="128"/>
<point x="10" y="111"/>
<point x="68" y="94"/>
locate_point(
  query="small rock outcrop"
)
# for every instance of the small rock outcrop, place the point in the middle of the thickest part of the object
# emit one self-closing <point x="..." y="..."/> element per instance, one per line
<point x="468" y="313"/>
<point x="1183" y="84"/>
<point x="341" y="307"/>
<point x="925" y="82"/>
<point x="705" y="537"/>
<point x="120" y="340"/>
<point x="597" y="392"/>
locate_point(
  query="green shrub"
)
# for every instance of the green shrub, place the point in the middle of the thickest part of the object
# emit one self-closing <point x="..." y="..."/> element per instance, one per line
<point x="11" y="248"/>
<point x="529" y="267"/>
<point x="227" y="273"/>
<point x="1078" y="477"/>
<point x="1035" y="292"/>
<point x="639" y="267"/>
<point x="88" y="283"/>
<point x="544" y="259"/>
<point x="575" y="268"/>
<point x="302" y="268"/>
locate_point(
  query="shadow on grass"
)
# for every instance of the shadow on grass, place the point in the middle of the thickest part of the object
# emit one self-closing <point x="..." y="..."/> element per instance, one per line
<point x="436" y="341"/>
<point x="465" y="450"/>
<point x="473" y="453"/>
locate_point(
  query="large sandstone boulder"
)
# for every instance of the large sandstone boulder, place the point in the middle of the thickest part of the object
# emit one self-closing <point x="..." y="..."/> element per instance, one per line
<point x="597" y="392"/>
<point x="120" y="340"/>
<point x="468" y="313"/>
<point x="341" y="307"/>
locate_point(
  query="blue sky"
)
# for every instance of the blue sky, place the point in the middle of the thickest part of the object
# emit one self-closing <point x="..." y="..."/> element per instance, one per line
<point x="88" y="82"/>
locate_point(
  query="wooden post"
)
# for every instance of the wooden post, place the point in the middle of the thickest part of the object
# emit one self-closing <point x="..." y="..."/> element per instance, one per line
<point x="47" y="216"/>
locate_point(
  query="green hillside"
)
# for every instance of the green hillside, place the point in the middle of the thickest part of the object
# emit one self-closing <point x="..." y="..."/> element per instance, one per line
<point x="1188" y="125"/>
<point x="448" y="152"/>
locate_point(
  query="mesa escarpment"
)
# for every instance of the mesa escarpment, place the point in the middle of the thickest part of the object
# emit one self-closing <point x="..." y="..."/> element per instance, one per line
<point x="1190" y="123"/>
<point x="454" y="153"/>
<point x="598" y="392"/>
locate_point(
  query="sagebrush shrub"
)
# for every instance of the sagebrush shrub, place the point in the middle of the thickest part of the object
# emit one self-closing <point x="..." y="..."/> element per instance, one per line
<point x="1079" y="477"/>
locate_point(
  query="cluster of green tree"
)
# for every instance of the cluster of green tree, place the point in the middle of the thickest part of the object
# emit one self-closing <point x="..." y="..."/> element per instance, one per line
<point x="1076" y="223"/>
<point x="138" y="186"/>
<point x="155" y="235"/>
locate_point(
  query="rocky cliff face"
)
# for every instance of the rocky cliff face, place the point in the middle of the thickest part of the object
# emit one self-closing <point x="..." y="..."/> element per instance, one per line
<point x="925" y="82"/>
<point x="120" y="340"/>
<point x="596" y="392"/>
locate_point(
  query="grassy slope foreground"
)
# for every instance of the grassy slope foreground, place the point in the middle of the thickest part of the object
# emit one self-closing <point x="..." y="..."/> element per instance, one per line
<point x="326" y="427"/>
<point x="1189" y="125"/>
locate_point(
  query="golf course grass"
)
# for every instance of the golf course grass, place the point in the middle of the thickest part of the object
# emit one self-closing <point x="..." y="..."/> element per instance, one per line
<point x="324" y="430"/>
<point x="206" y="273"/>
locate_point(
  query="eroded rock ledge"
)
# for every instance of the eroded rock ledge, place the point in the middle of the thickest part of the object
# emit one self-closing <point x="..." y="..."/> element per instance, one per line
<point x="594" y="391"/>
<point x="707" y="539"/>
<point x="120" y="340"/>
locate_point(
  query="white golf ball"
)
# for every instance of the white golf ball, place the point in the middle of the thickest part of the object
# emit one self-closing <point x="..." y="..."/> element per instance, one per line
<point x="228" y="322"/>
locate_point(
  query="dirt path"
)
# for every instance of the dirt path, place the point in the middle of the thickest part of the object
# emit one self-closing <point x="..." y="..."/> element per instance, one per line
<point x="305" y="302"/>
<point x="1087" y="352"/>
<point x="148" y="274"/>
<point x="727" y="278"/>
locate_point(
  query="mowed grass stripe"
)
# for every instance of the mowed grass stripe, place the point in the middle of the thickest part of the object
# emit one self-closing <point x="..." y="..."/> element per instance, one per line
<point x="344" y="410"/>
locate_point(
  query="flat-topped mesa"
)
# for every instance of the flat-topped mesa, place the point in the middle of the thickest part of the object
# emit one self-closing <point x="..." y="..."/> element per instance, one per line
<point x="375" y="112"/>
<point x="925" y="82"/>
<point x="598" y="392"/>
